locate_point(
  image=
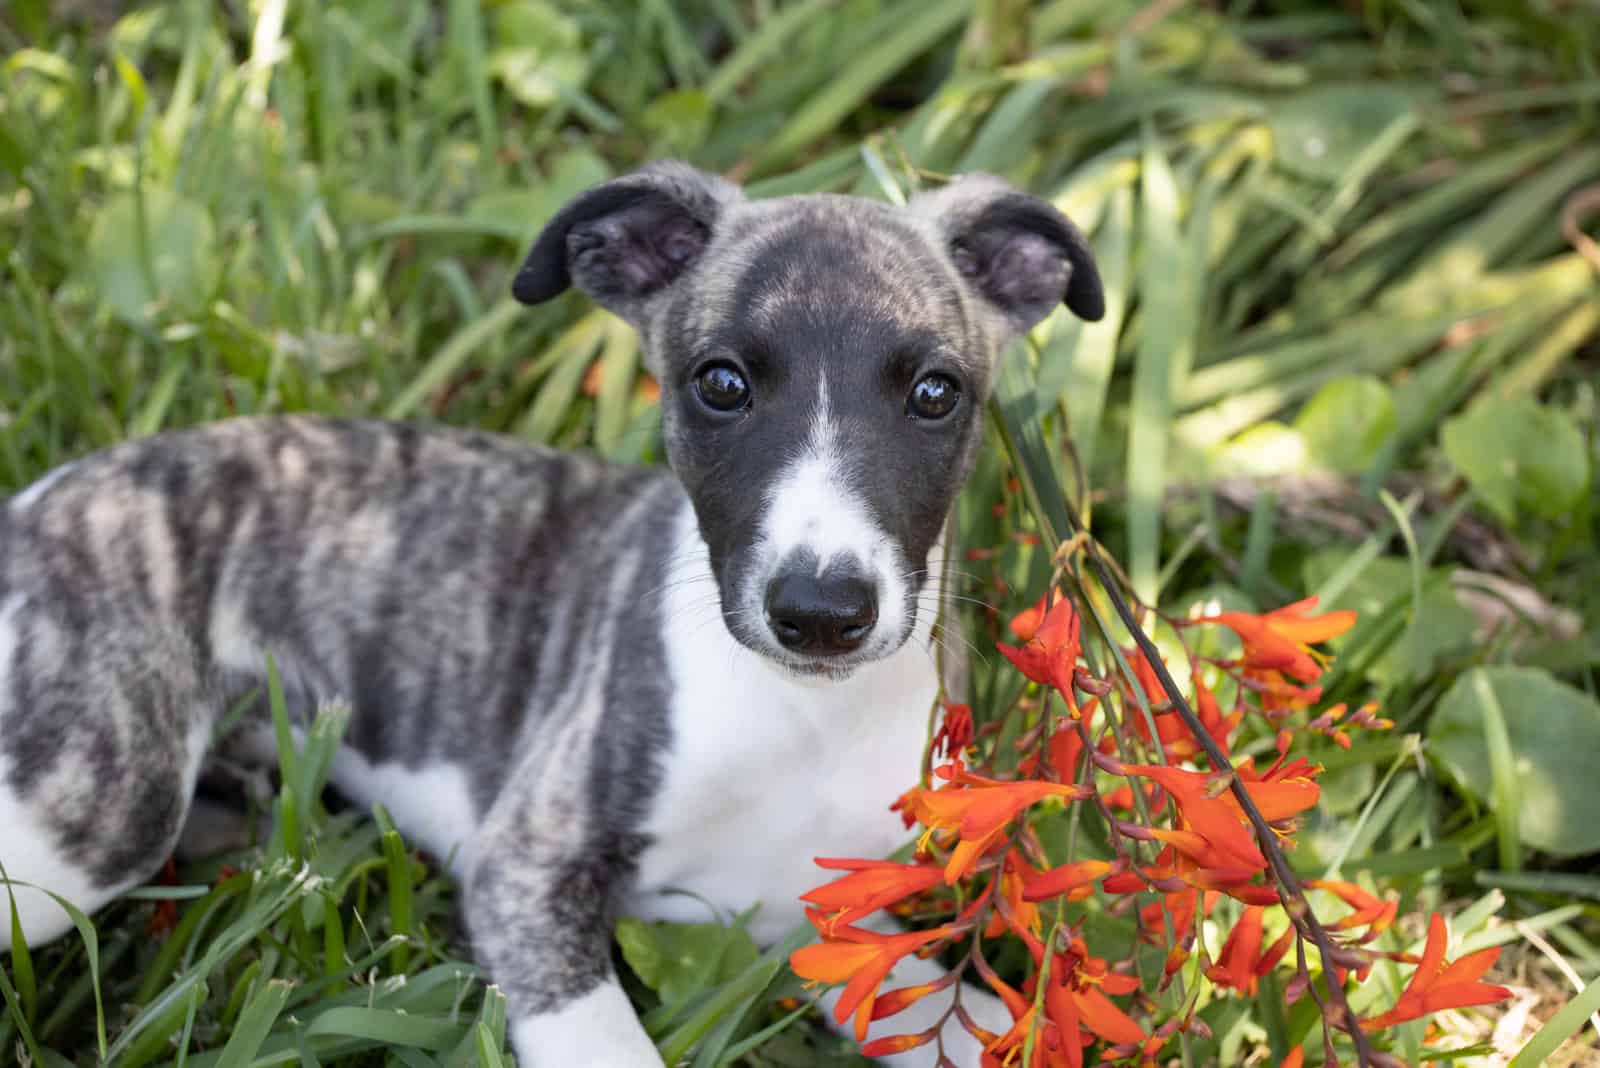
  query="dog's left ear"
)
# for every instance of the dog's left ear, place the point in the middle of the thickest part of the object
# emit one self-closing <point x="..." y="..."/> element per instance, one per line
<point x="1022" y="255"/>
<point x="628" y="240"/>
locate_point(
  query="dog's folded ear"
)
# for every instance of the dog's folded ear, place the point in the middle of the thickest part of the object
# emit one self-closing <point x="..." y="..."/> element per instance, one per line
<point x="626" y="240"/>
<point x="1021" y="254"/>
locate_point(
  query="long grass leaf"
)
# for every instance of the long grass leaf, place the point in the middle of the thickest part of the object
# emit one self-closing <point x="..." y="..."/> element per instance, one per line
<point x="1163" y="293"/>
<point x="1089" y="377"/>
<point x="254" y="1024"/>
<point x="921" y="25"/>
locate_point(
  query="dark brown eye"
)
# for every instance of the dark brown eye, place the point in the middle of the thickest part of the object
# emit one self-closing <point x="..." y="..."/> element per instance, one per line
<point x="934" y="396"/>
<point x="722" y="387"/>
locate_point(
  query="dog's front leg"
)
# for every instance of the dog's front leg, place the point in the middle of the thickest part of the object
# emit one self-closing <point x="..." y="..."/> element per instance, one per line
<point x="540" y="915"/>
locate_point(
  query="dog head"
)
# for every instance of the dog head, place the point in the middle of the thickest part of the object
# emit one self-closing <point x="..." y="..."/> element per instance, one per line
<point x="824" y="362"/>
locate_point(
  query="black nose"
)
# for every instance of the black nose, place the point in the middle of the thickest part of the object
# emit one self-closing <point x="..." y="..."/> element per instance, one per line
<point x="827" y="615"/>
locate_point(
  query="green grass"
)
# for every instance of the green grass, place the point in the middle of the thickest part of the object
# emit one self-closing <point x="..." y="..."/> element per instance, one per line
<point x="1332" y="242"/>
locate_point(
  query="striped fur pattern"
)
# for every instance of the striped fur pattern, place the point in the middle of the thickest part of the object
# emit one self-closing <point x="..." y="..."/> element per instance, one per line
<point x="575" y="680"/>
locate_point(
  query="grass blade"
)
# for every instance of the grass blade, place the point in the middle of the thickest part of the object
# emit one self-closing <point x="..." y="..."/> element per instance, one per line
<point x="1566" y="1023"/>
<point x="920" y="25"/>
<point x="1163" y="289"/>
<point x="255" y="1022"/>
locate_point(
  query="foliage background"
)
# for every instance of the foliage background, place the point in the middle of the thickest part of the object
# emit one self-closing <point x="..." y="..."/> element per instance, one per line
<point x="1351" y="350"/>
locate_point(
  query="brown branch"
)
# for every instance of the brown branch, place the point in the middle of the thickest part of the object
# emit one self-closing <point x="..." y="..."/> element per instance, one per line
<point x="1289" y="888"/>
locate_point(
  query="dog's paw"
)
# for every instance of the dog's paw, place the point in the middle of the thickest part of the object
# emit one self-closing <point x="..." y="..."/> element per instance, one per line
<point x="598" y="1030"/>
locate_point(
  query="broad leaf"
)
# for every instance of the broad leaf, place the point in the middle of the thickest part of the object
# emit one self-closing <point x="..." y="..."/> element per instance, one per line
<point x="1554" y="732"/>
<point x="157" y="246"/>
<point x="1519" y="456"/>
<point x="679" y="960"/>
<point x="1346" y="424"/>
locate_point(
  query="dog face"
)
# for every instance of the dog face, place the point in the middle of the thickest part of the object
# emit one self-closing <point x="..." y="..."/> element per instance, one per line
<point x="824" y="363"/>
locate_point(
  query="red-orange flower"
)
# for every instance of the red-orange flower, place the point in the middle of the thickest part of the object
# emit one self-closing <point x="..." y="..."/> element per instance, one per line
<point x="1075" y="880"/>
<point x="870" y="886"/>
<point x="1050" y="655"/>
<point x="1242" y="963"/>
<point x="955" y="730"/>
<point x="861" y="960"/>
<point x="1076" y="1000"/>
<point x="977" y="810"/>
<point x="1214" y="844"/>
<point x="1281" y="640"/>
<point x="1371" y="912"/>
<point x="1012" y="908"/>
<point x="1440" y="984"/>
<point x="1025" y="624"/>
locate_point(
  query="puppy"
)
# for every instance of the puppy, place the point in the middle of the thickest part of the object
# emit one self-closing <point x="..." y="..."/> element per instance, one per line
<point x="589" y="685"/>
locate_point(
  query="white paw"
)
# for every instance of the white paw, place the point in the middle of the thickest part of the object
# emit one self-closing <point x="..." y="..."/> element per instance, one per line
<point x="597" y="1030"/>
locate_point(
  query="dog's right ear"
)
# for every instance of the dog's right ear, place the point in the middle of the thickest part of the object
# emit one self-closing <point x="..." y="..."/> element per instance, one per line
<point x="627" y="240"/>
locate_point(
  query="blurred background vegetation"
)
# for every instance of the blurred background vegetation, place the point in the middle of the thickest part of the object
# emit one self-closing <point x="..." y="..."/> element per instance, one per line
<point x="1351" y="350"/>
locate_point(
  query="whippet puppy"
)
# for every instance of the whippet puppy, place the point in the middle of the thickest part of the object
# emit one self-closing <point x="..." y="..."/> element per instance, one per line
<point x="586" y="684"/>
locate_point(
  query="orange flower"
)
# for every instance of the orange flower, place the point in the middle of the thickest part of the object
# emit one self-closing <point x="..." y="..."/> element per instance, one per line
<point x="1439" y="984"/>
<point x="1177" y="741"/>
<point x="1371" y="912"/>
<point x="1215" y="847"/>
<point x="1013" y="909"/>
<point x="861" y="960"/>
<point x="1242" y="964"/>
<point x="887" y="1047"/>
<point x="1050" y="656"/>
<point x="1207" y="822"/>
<point x="978" y="809"/>
<point x="1076" y="1000"/>
<point x="1281" y="640"/>
<point x="1295" y="1059"/>
<point x="955" y="731"/>
<point x="1025" y="624"/>
<point x="1279" y="697"/>
<point x="1075" y="880"/>
<point x="872" y="885"/>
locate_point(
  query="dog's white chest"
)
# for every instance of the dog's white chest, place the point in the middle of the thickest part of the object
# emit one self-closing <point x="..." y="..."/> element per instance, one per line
<point x="766" y="772"/>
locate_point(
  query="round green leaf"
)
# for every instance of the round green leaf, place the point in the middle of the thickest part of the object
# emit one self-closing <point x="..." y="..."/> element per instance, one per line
<point x="1345" y="425"/>
<point x="1555" y="734"/>
<point x="1519" y="456"/>
<point x="175" y="263"/>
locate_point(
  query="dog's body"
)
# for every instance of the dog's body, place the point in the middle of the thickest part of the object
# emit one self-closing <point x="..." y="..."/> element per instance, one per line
<point x="586" y="685"/>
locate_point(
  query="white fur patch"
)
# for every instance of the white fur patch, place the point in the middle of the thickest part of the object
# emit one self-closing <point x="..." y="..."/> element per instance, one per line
<point x="26" y="849"/>
<point x="432" y="805"/>
<point x="810" y="509"/>
<point x="598" y="1030"/>
<point x="768" y="770"/>
<point x="26" y="499"/>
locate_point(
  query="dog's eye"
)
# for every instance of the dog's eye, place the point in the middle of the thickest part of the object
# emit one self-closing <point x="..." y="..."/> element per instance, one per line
<point x="722" y="387"/>
<point x="933" y="397"/>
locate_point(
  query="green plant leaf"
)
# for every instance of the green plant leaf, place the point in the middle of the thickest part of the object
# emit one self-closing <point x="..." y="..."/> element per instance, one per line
<point x="1443" y="624"/>
<point x="1519" y="456"/>
<point x="1320" y="133"/>
<point x="152" y="246"/>
<point x="1554" y="732"/>
<point x="1347" y="422"/>
<point x="537" y="52"/>
<point x="679" y="960"/>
